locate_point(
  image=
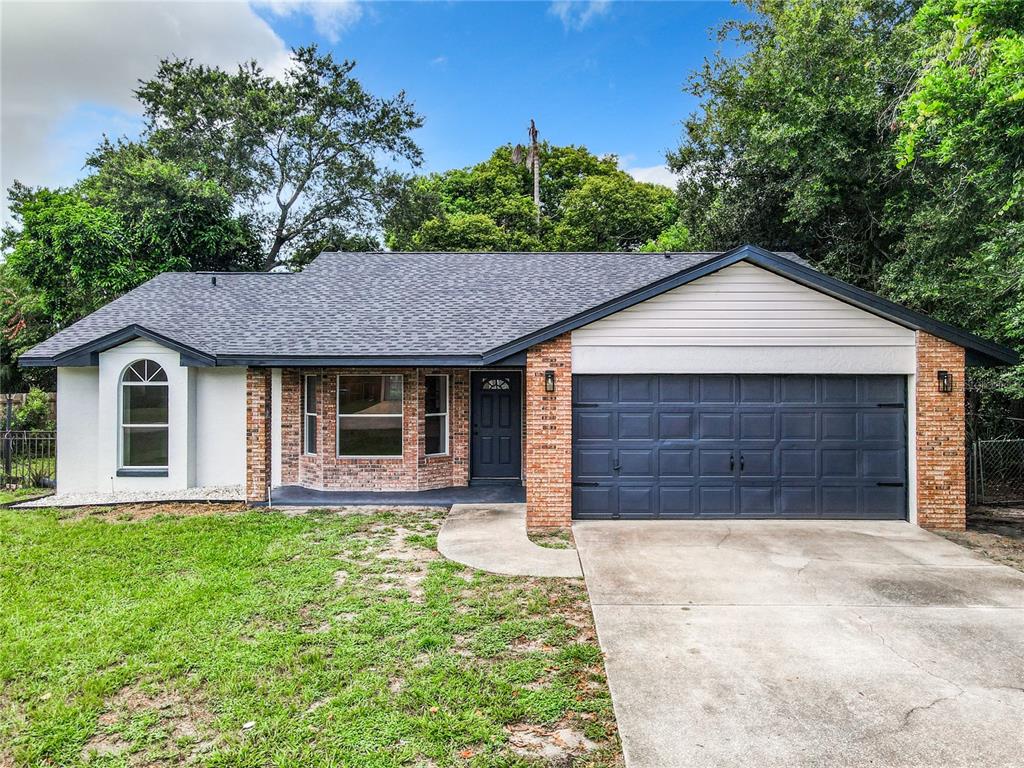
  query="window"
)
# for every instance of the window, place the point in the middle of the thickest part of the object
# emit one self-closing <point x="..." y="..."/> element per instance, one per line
<point x="496" y="384"/>
<point x="144" y="422"/>
<point x="309" y="411"/>
<point x="370" y="415"/>
<point x="436" y="426"/>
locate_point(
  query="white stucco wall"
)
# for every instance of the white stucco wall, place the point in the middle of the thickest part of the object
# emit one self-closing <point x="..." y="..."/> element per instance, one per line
<point x="77" y="428"/>
<point x="206" y="437"/>
<point x="181" y="388"/>
<point x="743" y="319"/>
<point x="220" y="426"/>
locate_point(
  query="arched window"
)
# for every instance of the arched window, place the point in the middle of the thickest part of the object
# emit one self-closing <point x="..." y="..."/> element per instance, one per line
<point x="144" y="416"/>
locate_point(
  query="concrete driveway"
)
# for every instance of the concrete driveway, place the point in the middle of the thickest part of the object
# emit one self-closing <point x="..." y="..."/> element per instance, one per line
<point x="786" y="643"/>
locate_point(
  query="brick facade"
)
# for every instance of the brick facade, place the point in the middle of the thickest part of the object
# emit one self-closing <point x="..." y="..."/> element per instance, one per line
<point x="941" y="436"/>
<point x="548" y="444"/>
<point x="257" y="433"/>
<point x="411" y="471"/>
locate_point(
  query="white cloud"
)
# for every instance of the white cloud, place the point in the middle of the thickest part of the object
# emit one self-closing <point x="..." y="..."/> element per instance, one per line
<point x="330" y="17"/>
<point x="60" y="59"/>
<point x="654" y="174"/>
<point x="577" y="14"/>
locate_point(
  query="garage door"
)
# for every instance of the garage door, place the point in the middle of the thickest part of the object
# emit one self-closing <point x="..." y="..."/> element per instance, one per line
<point x="670" y="446"/>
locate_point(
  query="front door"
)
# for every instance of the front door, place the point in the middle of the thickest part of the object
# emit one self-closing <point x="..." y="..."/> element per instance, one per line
<point x="496" y="425"/>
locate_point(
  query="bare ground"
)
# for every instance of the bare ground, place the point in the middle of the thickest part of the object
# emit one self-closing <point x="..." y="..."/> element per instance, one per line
<point x="996" y="532"/>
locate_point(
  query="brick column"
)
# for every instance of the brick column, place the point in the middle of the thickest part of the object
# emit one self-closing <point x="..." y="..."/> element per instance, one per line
<point x="257" y="433"/>
<point x="941" y="436"/>
<point x="548" y="447"/>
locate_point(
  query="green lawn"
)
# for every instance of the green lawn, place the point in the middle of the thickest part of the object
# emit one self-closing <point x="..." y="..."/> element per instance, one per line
<point x="261" y="639"/>
<point x="8" y="496"/>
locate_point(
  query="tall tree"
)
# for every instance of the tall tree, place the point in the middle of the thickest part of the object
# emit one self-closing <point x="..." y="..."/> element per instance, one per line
<point x="72" y="250"/>
<point x="791" y="146"/>
<point x="587" y="203"/>
<point x="301" y="154"/>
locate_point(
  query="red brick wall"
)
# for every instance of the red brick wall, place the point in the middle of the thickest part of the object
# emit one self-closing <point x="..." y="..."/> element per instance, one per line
<point x="941" y="437"/>
<point x="548" y="444"/>
<point x="412" y="471"/>
<point x="257" y="433"/>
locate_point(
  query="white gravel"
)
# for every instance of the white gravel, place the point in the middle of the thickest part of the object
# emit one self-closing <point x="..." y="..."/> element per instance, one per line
<point x="205" y="493"/>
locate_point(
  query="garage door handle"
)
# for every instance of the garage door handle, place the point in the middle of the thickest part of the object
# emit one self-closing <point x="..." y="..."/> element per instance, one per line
<point x="741" y="462"/>
<point x="732" y="463"/>
<point x="617" y="467"/>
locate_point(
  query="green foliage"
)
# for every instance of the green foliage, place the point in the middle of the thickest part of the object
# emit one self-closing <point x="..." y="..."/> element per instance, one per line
<point x="587" y="204"/>
<point x="675" y="238"/>
<point x="883" y="139"/>
<point x="135" y="216"/>
<point x="34" y="413"/>
<point x="302" y="155"/>
<point x="614" y="212"/>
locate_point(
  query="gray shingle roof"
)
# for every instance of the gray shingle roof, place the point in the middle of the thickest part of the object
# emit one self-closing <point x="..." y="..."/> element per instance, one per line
<point x="375" y="304"/>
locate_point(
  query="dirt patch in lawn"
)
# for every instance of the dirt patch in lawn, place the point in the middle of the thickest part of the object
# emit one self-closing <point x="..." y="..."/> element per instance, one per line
<point x="134" y="513"/>
<point x="996" y="532"/>
<point x="183" y="722"/>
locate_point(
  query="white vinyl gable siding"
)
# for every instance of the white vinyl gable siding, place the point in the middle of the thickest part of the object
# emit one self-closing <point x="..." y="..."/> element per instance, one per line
<point x="743" y="319"/>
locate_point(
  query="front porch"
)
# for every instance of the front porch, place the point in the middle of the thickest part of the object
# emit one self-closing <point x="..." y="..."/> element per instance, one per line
<point x="298" y="496"/>
<point x="415" y="435"/>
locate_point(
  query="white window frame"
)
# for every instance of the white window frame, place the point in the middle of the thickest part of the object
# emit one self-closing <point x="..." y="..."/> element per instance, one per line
<point x="306" y="413"/>
<point x="338" y="415"/>
<point x="121" y="384"/>
<point x="445" y="412"/>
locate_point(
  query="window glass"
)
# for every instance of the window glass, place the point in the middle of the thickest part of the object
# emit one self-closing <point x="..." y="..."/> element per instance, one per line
<point x="435" y="428"/>
<point x="309" y="425"/>
<point x="370" y="415"/>
<point x="370" y="395"/>
<point x="370" y="436"/>
<point x="145" y="447"/>
<point x="145" y="404"/>
<point x="144" y="415"/>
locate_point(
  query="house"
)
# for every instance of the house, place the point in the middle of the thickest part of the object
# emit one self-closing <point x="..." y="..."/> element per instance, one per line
<point x="611" y="385"/>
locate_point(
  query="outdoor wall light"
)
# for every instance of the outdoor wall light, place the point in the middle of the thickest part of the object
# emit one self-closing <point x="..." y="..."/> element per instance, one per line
<point x="945" y="381"/>
<point x="549" y="381"/>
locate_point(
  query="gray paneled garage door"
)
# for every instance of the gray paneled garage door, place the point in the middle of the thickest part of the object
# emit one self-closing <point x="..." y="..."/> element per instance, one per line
<point x="671" y="446"/>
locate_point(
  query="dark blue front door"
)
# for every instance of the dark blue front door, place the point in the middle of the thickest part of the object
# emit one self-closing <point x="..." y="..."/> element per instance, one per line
<point x="679" y="446"/>
<point x="496" y="425"/>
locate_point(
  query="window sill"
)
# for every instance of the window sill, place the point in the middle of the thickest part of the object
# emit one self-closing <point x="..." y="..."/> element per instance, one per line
<point x="141" y="472"/>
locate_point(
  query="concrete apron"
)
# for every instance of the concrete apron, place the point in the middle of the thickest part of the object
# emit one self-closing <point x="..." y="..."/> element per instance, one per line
<point x="793" y="643"/>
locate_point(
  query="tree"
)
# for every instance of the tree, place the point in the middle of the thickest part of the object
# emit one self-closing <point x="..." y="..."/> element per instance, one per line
<point x="73" y="250"/>
<point x="791" y="146"/>
<point x="301" y="155"/>
<point x="614" y="213"/>
<point x="436" y="208"/>
<point x="675" y="237"/>
<point x="961" y="148"/>
<point x="178" y="222"/>
<point x="884" y="139"/>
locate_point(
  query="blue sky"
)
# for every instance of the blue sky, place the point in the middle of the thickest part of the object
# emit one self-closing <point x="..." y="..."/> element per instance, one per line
<point x="478" y="71"/>
<point x="608" y="75"/>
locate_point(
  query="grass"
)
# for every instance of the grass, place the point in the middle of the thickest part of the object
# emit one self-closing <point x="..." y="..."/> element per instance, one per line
<point x="555" y="539"/>
<point x="8" y="496"/>
<point x="262" y="639"/>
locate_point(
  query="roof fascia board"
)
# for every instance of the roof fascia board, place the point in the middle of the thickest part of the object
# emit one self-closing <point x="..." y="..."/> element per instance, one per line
<point x="88" y="354"/>
<point x="986" y="351"/>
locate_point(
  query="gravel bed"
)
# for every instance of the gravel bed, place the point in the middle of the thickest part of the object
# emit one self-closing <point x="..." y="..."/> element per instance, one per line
<point x="205" y="493"/>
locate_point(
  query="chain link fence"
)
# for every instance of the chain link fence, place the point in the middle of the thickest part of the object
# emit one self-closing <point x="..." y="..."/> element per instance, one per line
<point x="996" y="471"/>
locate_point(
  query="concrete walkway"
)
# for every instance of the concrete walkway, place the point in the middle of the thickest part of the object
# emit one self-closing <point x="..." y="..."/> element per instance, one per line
<point x="492" y="537"/>
<point x="799" y="643"/>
